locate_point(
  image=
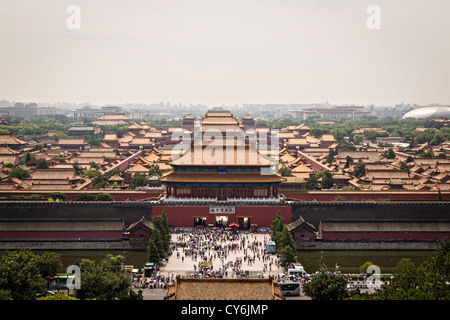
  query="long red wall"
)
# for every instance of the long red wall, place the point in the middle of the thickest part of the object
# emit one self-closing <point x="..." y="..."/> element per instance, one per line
<point x="61" y="235"/>
<point x="183" y="216"/>
<point x="384" y="235"/>
<point x="72" y="195"/>
<point x="123" y="195"/>
<point x="364" y="195"/>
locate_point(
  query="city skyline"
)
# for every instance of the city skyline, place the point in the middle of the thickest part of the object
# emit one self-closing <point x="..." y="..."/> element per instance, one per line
<point x="225" y="53"/>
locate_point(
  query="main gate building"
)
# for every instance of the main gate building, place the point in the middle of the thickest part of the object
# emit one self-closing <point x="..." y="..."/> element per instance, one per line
<point x="222" y="178"/>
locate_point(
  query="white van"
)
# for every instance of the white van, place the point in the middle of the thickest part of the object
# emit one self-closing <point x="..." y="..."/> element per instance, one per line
<point x="298" y="271"/>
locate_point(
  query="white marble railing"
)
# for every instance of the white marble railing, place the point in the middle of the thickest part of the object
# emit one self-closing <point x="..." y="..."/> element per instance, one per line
<point x="264" y="200"/>
<point x="172" y="199"/>
<point x="179" y="200"/>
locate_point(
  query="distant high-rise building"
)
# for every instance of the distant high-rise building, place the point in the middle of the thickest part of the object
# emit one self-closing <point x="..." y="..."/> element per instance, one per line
<point x="29" y="110"/>
<point x="88" y="112"/>
<point x="339" y="112"/>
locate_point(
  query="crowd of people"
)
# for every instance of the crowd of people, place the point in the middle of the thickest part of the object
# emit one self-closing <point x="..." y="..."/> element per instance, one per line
<point x="222" y="253"/>
<point x="209" y="253"/>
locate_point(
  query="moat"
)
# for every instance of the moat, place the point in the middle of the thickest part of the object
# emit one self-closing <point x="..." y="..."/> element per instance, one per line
<point x="348" y="261"/>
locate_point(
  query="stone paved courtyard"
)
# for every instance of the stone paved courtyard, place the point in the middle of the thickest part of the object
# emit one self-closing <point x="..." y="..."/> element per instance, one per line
<point x="181" y="263"/>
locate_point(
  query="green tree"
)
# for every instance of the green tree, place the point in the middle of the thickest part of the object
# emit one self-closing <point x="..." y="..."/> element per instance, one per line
<point x="104" y="197"/>
<point x="155" y="169"/>
<point x="104" y="281"/>
<point x="371" y="135"/>
<point x="330" y="159"/>
<point x="348" y="160"/>
<point x="363" y="268"/>
<point x="9" y="165"/>
<point x="165" y="236"/>
<point x="78" y="169"/>
<point x="389" y="154"/>
<point x="138" y="180"/>
<point x="428" y="154"/>
<point x="439" y="138"/>
<point x="95" y="165"/>
<point x="358" y="140"/>
<point x="404" y="166"/>
<point x="437" y="273"/>
<point x="284" y="242"/>
<point x="85" y="196"/>
<point x="58" y="196"/>
<point x="48" y="264"/>
<point x="165" y="220"/>
<point x="288" y="255"/>
<point x="312" y="183"/>
<point x="27" y="157"/>
<point x="286" y="246"/>
<point x="405" y="283"/>
<point x="58" y="296"/>
<point x="42" y="164"/>
<point x="19" y="173"/>
<point x="112" y="263"/>
<point x="327" y="180"/>
<point x="338" y="133"/>
<point x="276" y="226"/>
<point x="91" y="174"/>
<point x="326" y="286"/>
<point x="359" y="169"/>
<point x="19" y="275"/>
<point x="5" y="294"/>
<point x="428" y="281"/>
<point x="157" y="238"/>
<point x="165" y="225"/>
<point x="285" y="172"/>
<point x="85" y="264"/>
<point x="153" y="254"/>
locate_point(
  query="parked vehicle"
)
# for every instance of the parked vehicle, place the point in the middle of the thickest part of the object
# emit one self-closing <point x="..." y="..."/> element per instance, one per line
<point x="290" y="288"/>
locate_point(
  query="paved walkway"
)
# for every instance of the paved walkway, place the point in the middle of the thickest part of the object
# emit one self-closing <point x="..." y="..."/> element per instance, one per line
<point x="223" y="252"/>
<point x="182" y="262"/>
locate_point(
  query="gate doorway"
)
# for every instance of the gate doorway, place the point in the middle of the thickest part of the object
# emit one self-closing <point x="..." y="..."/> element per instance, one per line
<point x="200" y="222"/>
<point x="244" y="223"/>
<point x="221" y="221"/>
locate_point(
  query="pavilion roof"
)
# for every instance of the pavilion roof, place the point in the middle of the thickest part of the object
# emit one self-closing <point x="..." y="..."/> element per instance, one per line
<point x="221" y="289"/>
<point x="53" y="174"/>
<point x="222" y="155"/>
<point x="77" y="141"/>
<point x="10" y="139"/>
<point x="5" y="150"/>
<point x="216" y="177"/>
<point x="138" y="168"/>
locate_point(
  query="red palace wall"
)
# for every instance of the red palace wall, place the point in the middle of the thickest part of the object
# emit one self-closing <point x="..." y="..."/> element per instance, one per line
<point x="72" y="195"/>
<point x="61" y="235"/>
<point x="384" y="235"/>
<point x="183" y="216"/>
<point x="123" y="195"/>
<point x="362" y="196"/>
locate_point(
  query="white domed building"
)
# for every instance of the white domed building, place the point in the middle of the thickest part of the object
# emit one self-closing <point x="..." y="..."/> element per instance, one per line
<point x="429" y="112"/>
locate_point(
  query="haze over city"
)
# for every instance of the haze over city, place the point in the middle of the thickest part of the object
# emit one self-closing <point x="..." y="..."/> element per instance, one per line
<point x="225" y="52"/>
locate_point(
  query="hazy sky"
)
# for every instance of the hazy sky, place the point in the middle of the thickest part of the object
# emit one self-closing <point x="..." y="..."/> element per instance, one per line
<point x="225" y="52"/>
